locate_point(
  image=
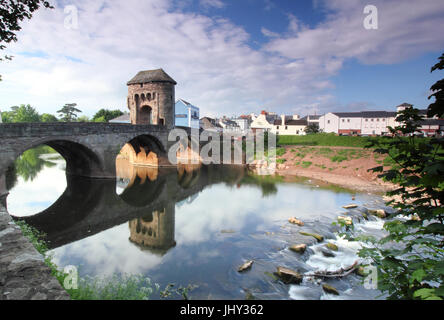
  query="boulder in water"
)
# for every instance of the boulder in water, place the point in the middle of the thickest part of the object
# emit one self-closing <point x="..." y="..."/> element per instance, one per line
<point x="299" y="248"/>
<point x="288" y="276"/>
<point x="350" y="206"/>
<point x="332" y="246"/>
<point x="298" y="222"/>
<point x="378" y="212"/>
<point x="330" y="289"/>
<point x="314" y="235"/>
<point x="246" y="266"/>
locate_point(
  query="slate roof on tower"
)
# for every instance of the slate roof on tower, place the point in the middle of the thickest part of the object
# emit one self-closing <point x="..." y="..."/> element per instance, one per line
<point x="146" y="76"/>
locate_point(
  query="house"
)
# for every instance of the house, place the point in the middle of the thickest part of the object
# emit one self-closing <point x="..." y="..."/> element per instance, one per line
<point x="210" y="124"/>
<point x="124" y="118"/>
<point x="264" y="121"/>
<point x="243" y="122"/>
<point x="186" y="114"/>
<point x="229" y="126"/>
<point x="289" y="125"/>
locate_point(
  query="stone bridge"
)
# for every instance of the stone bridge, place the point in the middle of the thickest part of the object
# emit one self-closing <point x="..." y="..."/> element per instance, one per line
<point x="90" y="149"/>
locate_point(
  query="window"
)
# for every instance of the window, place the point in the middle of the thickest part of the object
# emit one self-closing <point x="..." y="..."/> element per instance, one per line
<point x="366" y="120"/>
<point x="277" y="127"/>
<point x="343" y="120"/>
<point x="371" y="120"/>
<point x="286" y="127"/>
<point x="377" y="120"/>
<point x="348" y="120"/>
<point x="328" y="121"/>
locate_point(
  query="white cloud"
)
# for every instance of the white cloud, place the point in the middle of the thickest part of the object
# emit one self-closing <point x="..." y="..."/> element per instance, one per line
<point x="210" y="58"/>
<point x="212" y="3"/>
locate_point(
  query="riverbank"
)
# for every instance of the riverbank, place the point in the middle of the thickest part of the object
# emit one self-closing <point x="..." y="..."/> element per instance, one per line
<point x="23" y="272"/>
<point x="347" y="167"/>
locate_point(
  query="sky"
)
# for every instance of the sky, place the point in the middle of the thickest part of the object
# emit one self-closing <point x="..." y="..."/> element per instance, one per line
<point x="229" y="57"/>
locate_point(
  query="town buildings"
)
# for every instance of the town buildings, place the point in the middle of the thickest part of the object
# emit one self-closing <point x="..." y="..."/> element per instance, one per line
<point x="187" y="115"/>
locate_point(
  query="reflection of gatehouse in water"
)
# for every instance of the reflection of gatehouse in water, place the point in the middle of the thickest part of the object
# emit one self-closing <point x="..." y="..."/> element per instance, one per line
<point x="147" y="204"/>
<point x="154" y="231"/>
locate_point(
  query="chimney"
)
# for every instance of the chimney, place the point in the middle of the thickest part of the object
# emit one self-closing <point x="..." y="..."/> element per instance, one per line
<point x="283" y="119"/>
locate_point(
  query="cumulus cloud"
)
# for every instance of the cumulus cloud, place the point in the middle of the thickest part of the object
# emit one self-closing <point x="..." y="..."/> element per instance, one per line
<point x="212" y="3"/>
<point x="210" y="57"/>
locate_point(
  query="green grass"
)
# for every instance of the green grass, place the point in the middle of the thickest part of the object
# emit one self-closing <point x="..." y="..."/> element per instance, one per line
<point x="338" y="158"/>
<point x="323" y="139"/>
<point x="306" y="164"/>
<point x="281" y="161"/>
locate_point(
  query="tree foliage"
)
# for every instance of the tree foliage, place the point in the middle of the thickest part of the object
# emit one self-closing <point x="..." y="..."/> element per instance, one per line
<point x="12" y="12"/>
<point x="312" y="128"/>
<point x="24" y="113"/>
<point x="105" y="115"/>
<point x="410" y="259"/>
<point x="68" y="113"/>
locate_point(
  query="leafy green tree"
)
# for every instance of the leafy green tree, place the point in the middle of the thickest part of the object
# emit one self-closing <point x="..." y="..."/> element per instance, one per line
<point x="437" y="108"/>
<point x="311" y="128"/>
<point x="7" y="116"/>
<point x="25" y="113"/>
<point x="105" y="115"/>
<point x="11" y="13"/>
<point x="46" y="117"/>
<point x="99" y="119"/>
<point x="83" y="119"/>
<point x="410" y="259"/>
<point x="68" y="112"/>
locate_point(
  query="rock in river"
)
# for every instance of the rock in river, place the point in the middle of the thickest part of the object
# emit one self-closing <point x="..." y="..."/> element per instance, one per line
<point x="378" y="212"/>
<point x="350" y="206"/>
<point x="293" y="220"/>
<point x="314" y="235"/>
<point x="332" y="246"/>
<point x="327" y="253"/>
<point x="300" y="248"/>
<point x="329" y="289"/>
<point x="246" y="266"/>
<point x="288" y="276"/>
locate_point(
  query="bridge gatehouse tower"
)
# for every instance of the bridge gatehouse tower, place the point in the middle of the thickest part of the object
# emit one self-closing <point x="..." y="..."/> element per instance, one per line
<point x="151" y="98"/>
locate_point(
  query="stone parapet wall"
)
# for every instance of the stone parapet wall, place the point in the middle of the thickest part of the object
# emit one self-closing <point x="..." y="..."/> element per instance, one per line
<point x="23" y="273"/>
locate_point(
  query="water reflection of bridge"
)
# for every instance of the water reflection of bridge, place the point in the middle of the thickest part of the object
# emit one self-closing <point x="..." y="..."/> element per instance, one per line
<point x="89" y="206"/>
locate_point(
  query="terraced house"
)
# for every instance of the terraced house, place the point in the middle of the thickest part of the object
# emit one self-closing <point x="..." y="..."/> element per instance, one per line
<point x="361" y="123"/>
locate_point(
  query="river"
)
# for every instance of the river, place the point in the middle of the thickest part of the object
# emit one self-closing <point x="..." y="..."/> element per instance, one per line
<point x="193" y="226"/>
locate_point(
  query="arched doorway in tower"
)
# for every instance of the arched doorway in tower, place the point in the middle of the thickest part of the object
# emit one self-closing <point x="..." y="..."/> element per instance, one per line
<point x="145" y="114"/>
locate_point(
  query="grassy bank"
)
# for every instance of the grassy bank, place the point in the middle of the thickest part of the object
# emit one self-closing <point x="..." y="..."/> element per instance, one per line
<point x="323" y="139"/>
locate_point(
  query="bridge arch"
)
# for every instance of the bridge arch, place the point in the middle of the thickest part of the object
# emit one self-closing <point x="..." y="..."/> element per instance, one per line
<point x="144" y="150"/>
<point x="80" y="159"/>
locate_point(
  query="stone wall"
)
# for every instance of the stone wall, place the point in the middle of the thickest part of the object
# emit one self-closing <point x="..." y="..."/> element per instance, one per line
<point x="23" y="273"/>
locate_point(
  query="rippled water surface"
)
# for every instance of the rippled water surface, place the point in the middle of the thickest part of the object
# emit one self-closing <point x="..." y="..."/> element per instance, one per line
<point x="194" y="226"/>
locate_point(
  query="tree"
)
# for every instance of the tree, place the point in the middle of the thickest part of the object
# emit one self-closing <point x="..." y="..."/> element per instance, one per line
<point x="46" y="117"/>
<point x="25" y="113"/>
<point x="410" y="259"/>
<point x="437" y="108"/>
<point x="68" y="112"/>
<point x="11" y="13"/>
<point x="105" y="115"/>
<point x="83" y="119"/>
<point x="312" y="128"/>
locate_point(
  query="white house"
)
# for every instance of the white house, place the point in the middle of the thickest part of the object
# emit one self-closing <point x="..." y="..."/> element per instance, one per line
<point x="264" y="121"/>
<point x="289" y="125"/>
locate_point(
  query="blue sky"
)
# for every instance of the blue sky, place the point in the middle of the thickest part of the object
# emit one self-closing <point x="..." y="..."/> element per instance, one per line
<point x="229" y="57"/>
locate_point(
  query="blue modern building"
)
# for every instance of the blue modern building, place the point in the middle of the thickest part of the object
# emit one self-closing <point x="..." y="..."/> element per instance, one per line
<point x="187" y="115"/>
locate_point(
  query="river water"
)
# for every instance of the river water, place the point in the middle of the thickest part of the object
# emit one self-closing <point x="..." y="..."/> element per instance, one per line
<point x="194" y="226"/>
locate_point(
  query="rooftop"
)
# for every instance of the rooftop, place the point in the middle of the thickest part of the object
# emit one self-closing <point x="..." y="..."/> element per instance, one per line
<point x="146" y="76"/>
